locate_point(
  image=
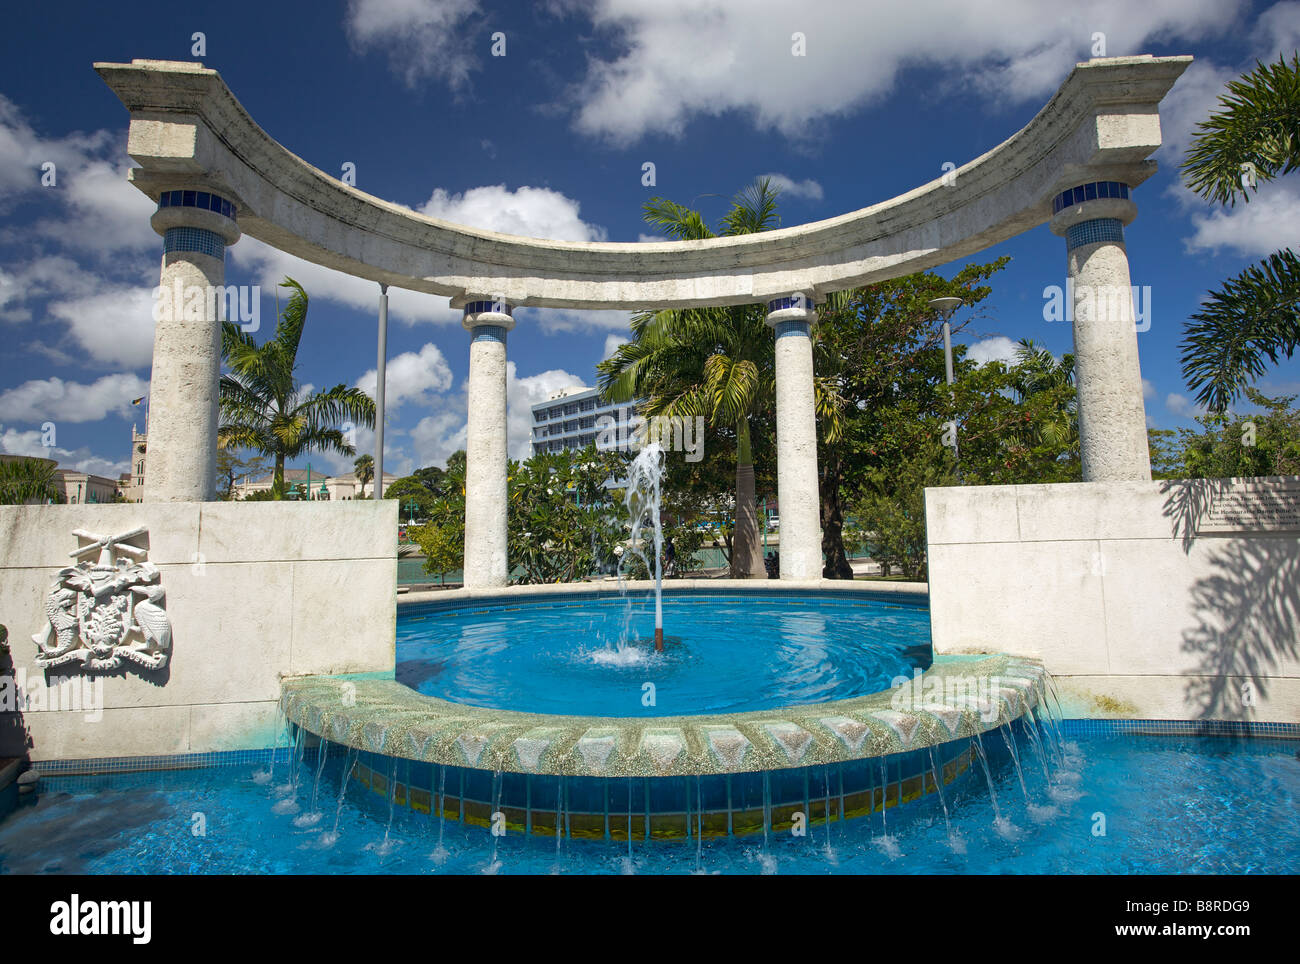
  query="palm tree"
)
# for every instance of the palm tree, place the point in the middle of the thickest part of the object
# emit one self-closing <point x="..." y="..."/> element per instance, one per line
<point x="26" y="481"/>
<point x="1037" y="372"/>
<point x="263" y="406"/>
<point x="1254" y="318"/>
<point x="714" y="362"/>
<point x="365" y="471"/>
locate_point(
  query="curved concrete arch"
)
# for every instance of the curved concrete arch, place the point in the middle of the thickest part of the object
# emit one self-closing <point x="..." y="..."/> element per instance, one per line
<point x="188" y="130"/>
<point x="216" y="174"/>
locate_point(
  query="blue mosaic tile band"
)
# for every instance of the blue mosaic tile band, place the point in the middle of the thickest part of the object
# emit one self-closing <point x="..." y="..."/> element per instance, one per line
<point x="495" y="333"/>
<point x="202" y="200"/>
<point x="177" y="761"/>
<point x="794" y="301"/>
<point x="1219" y="728"/>
<point x="194" y="239"/>
<point x="1096" y="231"/>
<point x="497" y="307"/>
<point x="789" y="329"/>
<point x="1097" y="190"/>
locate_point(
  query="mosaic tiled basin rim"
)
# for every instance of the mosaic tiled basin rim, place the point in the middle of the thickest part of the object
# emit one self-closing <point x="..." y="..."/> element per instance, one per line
<point x="383" y="716"/>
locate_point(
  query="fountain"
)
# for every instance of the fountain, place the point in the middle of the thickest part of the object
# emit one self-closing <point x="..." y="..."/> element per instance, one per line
<point x="642" y="499"/>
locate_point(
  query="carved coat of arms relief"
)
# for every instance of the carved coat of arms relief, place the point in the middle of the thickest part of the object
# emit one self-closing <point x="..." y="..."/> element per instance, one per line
<point x="103" y="613"/>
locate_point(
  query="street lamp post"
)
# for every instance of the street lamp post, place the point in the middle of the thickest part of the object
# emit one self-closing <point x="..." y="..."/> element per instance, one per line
<point x="945" y="307"/>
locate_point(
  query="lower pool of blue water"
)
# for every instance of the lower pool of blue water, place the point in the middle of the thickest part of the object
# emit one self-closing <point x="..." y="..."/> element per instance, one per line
<point x="1107" y="805"/>
<point x="721" y="655"/>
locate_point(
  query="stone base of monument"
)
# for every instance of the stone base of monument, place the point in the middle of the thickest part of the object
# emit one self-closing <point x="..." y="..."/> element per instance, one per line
<point x="1172" y="600"/>
<point x="151" y="629"/>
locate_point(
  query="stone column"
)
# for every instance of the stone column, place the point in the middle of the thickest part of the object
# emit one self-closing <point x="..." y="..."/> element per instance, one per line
<point x="1112" y="417"/>
<point x="486" y="507"/>
<point x="181" y="456"/>
<point x="792" y="319"/>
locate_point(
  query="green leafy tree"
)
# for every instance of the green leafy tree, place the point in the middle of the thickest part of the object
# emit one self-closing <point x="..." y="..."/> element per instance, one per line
<point x="364" y="470"/>
<point x="442" y="537"/>
<point x="563" y="522"/>
<point x="1244" y="445"/>
<point x="876" y="348"/>
<point x="263" y="406"/>
<point x="29" y="482"/>
<point x="1166" y="454"/>
<point x="1254" y="318"/>
<point x="715" y="362"/>
<point x="230" y="467"/>
<point x="408" y="489"/>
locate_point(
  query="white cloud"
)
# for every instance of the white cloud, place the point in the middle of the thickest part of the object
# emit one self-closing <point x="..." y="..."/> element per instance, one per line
<point x="423" y="38"/>
<point x="1148" y="389"/>
<point x="680" y="59"/>
<point x="1253" y="229"/>
<point x="1277" y="31"/>
<point x="531" y="212"/>
<point x="999" y="348"/>
<point x="269" y="266"/>
<point x="790" y="188"/>
<point x="115" y="326"/>
<point x="521" y="395"/>
<point x="611" y="344"/>
<point x="15" y="442"/>
<point x="411" y="377"/>
<point x="90" y="207"/>
<point x="1182" y="405"/>
<point x="437" y="436"/>
<point x="555" y="320"/>
<point x="57" y="400"/>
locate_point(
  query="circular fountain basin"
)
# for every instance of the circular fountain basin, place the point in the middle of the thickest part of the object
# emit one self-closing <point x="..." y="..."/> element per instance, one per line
<point x="825" y="737"/>
<point x="723" y="653"/>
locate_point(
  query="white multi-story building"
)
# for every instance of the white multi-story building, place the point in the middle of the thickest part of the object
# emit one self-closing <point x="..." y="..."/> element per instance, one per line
<point x="573" y="418"/>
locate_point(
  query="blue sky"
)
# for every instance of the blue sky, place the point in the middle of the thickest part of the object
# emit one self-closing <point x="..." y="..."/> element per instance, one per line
<point x="549" y="141"/>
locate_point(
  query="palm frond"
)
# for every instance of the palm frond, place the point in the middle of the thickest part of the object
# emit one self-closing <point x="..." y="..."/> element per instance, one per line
<point x="1253" y="318"/>
<point x="1257" y="124"/>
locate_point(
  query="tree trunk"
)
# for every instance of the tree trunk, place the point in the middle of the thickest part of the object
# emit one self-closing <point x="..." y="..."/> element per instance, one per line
<point x="277" y="483"/>
<point x="746" y="548"/>
<point x="837" y="563"/>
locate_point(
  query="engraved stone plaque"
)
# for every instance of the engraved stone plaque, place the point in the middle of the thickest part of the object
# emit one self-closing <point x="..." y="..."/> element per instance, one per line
<point x="1253" y="505"/>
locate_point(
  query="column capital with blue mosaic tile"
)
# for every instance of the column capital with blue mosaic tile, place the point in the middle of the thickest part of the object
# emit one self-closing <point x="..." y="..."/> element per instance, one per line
<point x="489" y="316"/>
<point x="793" y="313"/>
<point x="196" y="220"/>
<point x="1092" y="212"/>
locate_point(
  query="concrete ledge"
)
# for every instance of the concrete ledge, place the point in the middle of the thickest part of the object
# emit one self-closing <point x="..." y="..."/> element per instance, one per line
<point x="917" y="591"/>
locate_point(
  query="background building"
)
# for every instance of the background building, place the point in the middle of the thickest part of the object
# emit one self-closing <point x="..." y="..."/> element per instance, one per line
<point x="568" y="420"/>
<point x="324" y="488"/>
<point x="79" y="487"/>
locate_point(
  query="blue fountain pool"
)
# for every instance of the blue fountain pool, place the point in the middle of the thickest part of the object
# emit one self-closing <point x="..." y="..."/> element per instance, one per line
<point x="1207" y="805"/>
<point x="595" y="657"/>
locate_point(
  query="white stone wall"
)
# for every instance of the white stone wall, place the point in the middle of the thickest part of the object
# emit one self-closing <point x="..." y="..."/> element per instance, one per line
<point x="1110" y="586"/>
<point x="255" y="592"/>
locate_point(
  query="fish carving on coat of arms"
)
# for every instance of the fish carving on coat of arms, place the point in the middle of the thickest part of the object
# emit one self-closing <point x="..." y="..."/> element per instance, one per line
<point x="106" y="612"/>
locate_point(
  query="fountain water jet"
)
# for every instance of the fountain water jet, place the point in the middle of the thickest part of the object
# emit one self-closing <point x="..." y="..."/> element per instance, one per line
<point x="643" y="479"/>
